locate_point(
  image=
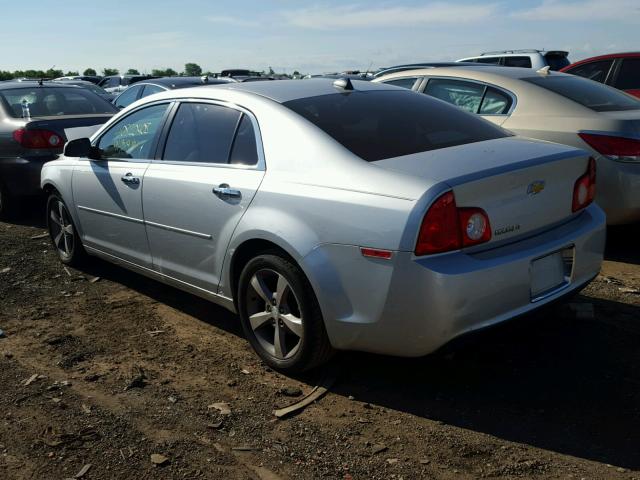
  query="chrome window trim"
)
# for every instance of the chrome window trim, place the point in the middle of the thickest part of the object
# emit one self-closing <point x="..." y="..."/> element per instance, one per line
<point x="514" y="99"/>
<point x="261" y="165"/>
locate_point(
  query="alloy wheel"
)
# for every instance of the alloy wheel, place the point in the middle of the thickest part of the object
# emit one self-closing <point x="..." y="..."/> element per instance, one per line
<point x="61" y="229"/>
<point x="274" y="314"/>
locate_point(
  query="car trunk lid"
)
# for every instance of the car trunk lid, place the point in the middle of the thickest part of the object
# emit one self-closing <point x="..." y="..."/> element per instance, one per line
<point x="523" y="185"/>
<point x="66" y="127"/>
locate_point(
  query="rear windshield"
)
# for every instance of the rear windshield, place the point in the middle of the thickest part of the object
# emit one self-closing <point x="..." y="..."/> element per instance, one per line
<point x="53" y="101"/>
<point x="384" y="124"/>
<point x="593" y="95"/>
<point x="557" y="61"/>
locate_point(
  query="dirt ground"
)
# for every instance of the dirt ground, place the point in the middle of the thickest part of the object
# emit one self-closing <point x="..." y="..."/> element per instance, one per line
<point x="107" y="374"/>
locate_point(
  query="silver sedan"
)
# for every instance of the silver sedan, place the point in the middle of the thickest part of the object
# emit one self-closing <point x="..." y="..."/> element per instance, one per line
<point x="331" y="215"/>
<point x="556" y="107"/>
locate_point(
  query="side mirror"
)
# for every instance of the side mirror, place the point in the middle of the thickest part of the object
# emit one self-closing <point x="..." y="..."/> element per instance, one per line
<point x="77" y="148"/>
<point x="81" y="147"/>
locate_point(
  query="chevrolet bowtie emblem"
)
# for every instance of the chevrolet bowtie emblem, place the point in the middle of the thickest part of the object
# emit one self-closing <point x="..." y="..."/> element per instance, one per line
<point x="536" y="187"/>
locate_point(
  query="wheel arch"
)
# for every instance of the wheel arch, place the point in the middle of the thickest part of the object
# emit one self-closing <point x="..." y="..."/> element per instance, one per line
<point x="251" y="248"/>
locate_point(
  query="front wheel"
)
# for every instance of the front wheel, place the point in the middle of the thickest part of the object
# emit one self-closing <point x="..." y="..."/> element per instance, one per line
<point x="280" y="315"/>
<point x="63" y="232"/>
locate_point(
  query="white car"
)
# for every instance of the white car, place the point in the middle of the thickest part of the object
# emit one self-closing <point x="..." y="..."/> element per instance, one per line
<point x="536" y="59"/>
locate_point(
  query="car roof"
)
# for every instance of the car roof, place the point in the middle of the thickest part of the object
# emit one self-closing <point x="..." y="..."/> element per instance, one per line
<point x="489" y="70"/>
<point x="282" y="91"/>
<point x="414" y="66"/>
<point x="32" y="83"/>
<point x="177" y="82"/>
<point x="607" y="56"/>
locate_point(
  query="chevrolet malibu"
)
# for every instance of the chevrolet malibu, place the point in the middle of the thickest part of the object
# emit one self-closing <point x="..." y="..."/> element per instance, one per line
<point x="330" y="215"/>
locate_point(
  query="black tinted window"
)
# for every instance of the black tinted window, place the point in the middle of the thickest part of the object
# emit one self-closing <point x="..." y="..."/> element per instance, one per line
<point x="490" y="60"/>
<point x="593" y="71"/>
<point x="201" y="132"/>
<point x="466" y="95"/>
<point x="53" y="101"/>
<point x="134" y="135"/>
<point x="408" y="82"/>
<point x="110" y="82"/>
<point x="593" y="95"/>
<point x="244" y="150"/>
<point x="629" y="74"/>
<point x="523" y="62"/>
<point x="383" y="124"/>
<point x="557" y="61"/>
<point x="127" y="97"/>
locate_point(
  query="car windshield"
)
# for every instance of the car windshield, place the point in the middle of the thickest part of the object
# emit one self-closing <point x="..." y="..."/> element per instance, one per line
<point x="593" y="95"/>
<point x="53" y="101"/>
<point x="384" y="124"/>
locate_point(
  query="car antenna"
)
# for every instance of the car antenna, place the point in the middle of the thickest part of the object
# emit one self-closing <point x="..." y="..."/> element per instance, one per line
<point x="343" y="83"/>
<point x="544" y="70"/>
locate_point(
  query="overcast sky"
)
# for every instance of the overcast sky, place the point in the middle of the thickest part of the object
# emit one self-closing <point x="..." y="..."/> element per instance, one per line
<point x="311" y="37"/>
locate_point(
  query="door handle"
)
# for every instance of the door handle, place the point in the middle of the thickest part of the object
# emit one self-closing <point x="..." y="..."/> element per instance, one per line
<point x="130" y="179"/>
<point x="224" y="191"/>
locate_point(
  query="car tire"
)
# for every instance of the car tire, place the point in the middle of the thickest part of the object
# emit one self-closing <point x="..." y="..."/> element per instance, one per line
<point x="63" y="232"/>
<point x="280" y="314"/>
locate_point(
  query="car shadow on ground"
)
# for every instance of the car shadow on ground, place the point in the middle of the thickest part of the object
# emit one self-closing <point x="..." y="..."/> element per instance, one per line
<point x="548" y="380"/>
<point x="31" y="212"/>
<point x="622" y="244"/>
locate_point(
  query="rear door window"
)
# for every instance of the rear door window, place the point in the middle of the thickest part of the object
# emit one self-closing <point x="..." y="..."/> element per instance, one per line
<point x="466" y="95"/>
<point x="523" y="62"/>
<point x="596" y="71"/>
<point x="375" y="125"/>
<point x="201" y="133"/>
<point x="593" y="95"/>
<point x="629" y="75"/>
<point x="408" y="82"/>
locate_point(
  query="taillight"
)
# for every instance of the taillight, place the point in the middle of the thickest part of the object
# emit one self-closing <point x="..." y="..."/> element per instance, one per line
<point x="37" y="138"/>
<point x="446" y="227"/>
<point x="584" y="190"/>
<point x="620" y="148"/>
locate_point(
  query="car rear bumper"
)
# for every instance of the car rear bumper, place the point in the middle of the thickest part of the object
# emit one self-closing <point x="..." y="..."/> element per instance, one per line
<point x="21" y="176"/>
<point x="618" y="190"/>
<point x="411" y="306"/>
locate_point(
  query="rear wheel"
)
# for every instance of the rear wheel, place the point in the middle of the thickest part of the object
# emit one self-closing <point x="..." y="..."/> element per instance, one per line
<point x="280" y="315"/>
<point x="63" y="232"/>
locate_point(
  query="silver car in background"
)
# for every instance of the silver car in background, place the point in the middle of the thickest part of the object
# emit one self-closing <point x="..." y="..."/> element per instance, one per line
<point x="556" y="107"/>
<point x="331" y="214"/>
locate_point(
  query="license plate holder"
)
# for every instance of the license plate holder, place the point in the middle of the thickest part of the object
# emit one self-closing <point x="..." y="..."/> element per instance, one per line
<point x="548" y="274"/>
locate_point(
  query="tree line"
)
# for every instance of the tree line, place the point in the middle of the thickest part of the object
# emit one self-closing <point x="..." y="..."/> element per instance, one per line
<point x="190" y="70"/>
